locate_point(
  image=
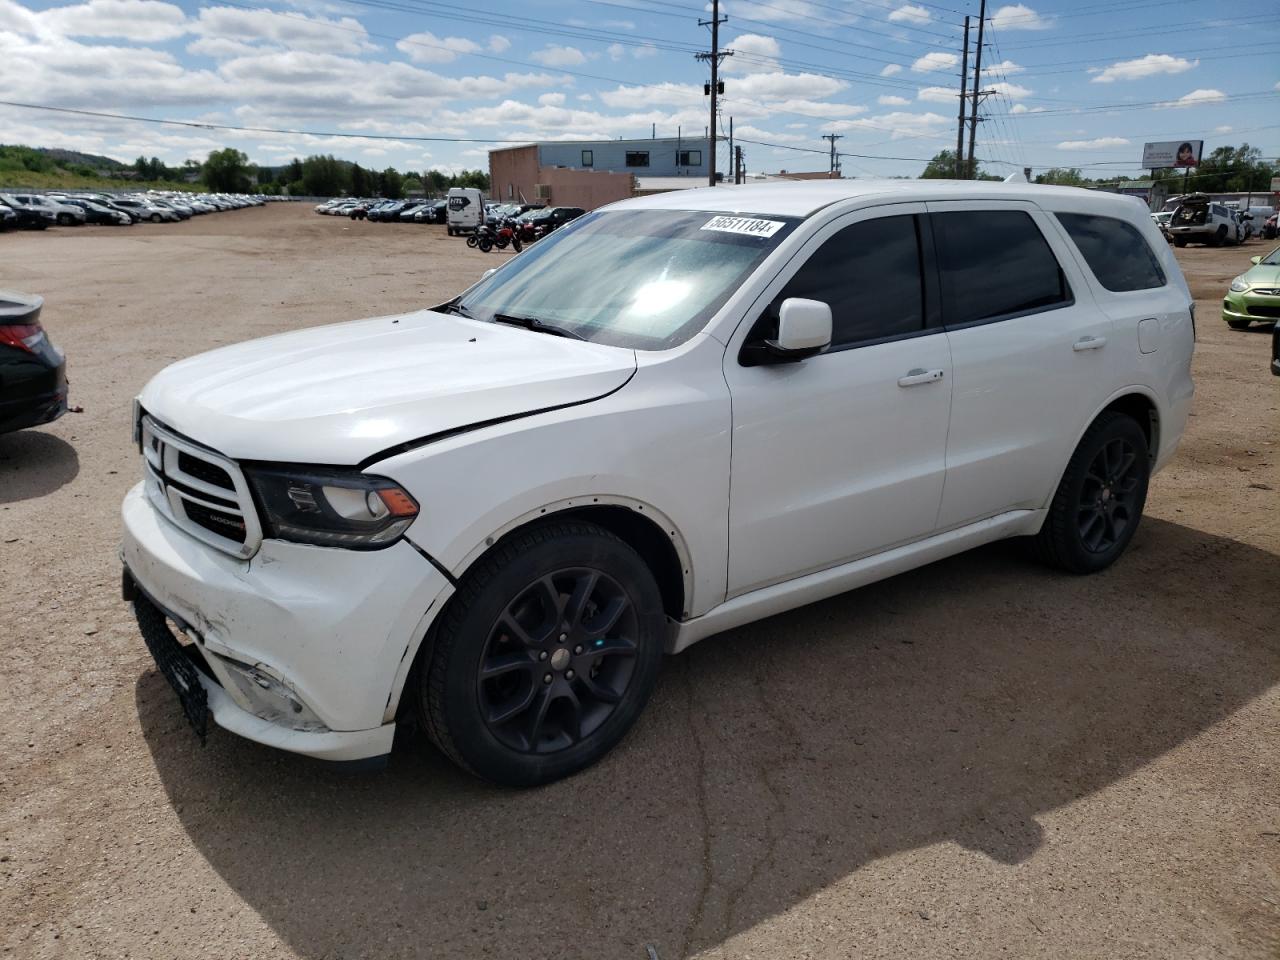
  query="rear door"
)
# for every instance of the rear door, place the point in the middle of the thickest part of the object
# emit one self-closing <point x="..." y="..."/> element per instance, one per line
<point x="1032" y="355"/>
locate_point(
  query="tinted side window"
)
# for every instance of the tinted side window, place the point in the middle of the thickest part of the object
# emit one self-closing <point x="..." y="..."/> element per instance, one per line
<point x="994" y="263"/>
<point x="1116" y="252"/>
<point x="869" y="273"/>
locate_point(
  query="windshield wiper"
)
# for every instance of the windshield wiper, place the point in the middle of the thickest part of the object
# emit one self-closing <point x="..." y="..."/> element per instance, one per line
<point x="536" y="325"/>
<point x="453" y="306"/>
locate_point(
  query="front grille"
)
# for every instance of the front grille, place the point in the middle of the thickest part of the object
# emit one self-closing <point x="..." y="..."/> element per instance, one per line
<point x="200" y="490"/>
<point x="204" y="470"/>
<point x="222" y="522"/>
<point x="1263" y="311"/>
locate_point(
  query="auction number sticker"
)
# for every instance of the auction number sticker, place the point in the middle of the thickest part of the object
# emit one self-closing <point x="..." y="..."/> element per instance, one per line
<point x="747" y="226"/>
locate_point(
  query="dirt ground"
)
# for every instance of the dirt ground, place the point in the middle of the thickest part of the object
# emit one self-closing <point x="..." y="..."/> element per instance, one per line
<point x="977" y="759"/>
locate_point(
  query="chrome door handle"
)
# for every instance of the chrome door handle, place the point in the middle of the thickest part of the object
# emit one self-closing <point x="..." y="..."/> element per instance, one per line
<point x="1089" y="343"/>
<point x="918" y="376"/>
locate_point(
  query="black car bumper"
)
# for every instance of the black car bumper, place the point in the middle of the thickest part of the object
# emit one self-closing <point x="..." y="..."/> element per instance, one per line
<point x="31" y="393"/>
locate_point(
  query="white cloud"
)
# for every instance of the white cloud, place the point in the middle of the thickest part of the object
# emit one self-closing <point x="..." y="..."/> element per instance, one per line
<point x="908" y="13"/>
<point x="891" y="70"/>
<point x="902" y="125"/>
<point x="937" y="60"/>
<point x="552" y="99"/>
<point x="889" y="100"/>
<point x="1023" y="108"/>
<point x="1098" y="144"/>
<point x="294" y="32"/>
<point x="1019" y="16"/>
<point x="1223" y="129"/>
<point x="1011" y="91"/>
<point x="937" y="95"/>
<point x="1195" y="98"/>
<point x="1005" y="68"/>
<point x="143" y="21"/>
<point x="644" y="51"/>
<point x="499" y="44"/>
<point x="616" y="51"/>
<point x="753" y="53"/>
<point x="555" y="56"/>
<point x="426" y="47"/>
<point x="1151" y="65"/>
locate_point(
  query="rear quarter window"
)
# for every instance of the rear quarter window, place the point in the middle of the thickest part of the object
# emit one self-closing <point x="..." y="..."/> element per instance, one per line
<point x="1116" y="252"/>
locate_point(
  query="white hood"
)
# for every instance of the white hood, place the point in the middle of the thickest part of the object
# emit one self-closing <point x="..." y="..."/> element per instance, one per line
<point x="340" y="394"/>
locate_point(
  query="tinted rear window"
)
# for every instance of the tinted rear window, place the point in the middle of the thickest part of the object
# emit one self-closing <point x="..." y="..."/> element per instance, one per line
<point x="1116" y="252"/>
<point x="995" y="263"/>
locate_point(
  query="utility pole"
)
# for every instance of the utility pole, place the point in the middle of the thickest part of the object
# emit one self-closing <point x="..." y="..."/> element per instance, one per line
<point x="731" y="153"/>
<point x="835" y="159"/>
<point x="972" y="171"/>
<point x="713" y="89"/>
<point x="737" y="165"/>
<point x="964" y="76"/>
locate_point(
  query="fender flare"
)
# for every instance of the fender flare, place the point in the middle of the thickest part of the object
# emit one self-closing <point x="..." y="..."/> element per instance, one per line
<point x="586" y="501"/>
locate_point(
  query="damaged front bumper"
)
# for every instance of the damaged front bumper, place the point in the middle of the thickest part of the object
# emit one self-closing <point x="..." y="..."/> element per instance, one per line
<point x="301" y="648"/>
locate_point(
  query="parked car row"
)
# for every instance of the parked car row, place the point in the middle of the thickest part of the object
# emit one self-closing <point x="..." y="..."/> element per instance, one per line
<point x="385" y="211"/>
<point x="36" y="211"/>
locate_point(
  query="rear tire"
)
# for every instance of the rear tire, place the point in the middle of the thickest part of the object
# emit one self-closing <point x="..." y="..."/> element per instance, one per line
<point x="1238" y="324"/>
<point x="156" y="218"/>
<point x="544" y="657"/>
<point x="1179" y="242"/>
<point x="65" y="219"/>
<point x="1219" y="238"/>
<point x="1098" y="504"/>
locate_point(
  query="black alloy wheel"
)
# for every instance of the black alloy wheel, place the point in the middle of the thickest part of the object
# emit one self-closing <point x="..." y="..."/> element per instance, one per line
<point x="558" y="660"/>
<point x="545" y="655"/>
<point x="1098" y="504"/>
<point x="1108" y="496"/>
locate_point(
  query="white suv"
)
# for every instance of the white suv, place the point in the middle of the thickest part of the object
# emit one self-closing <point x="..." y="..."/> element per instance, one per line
<point x="675" y="416"/>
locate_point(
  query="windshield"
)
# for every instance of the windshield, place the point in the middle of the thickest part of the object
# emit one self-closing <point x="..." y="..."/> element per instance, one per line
<point x="645" y="279"/>
<point x="1272" y="259"/>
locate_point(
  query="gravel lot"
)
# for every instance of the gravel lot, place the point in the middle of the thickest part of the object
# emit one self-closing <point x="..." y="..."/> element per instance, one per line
<point x="981" y="758"/>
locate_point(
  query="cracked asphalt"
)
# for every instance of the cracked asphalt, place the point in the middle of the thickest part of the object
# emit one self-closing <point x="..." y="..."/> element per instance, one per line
<point x="982" y="758"/>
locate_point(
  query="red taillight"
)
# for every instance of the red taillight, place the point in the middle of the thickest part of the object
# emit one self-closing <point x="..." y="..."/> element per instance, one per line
<point x="24" y="336"/>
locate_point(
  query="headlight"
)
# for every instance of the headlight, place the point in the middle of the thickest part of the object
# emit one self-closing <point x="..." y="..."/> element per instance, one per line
<point x="1238" y="285"/>
<point x="332" y="508"/>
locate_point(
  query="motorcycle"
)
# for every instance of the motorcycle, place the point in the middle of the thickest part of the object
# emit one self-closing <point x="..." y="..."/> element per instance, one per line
<point x="482" y="238"/>
<point x="507" y="234"/>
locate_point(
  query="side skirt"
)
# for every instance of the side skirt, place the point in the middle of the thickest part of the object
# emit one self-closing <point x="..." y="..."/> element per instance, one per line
<point x="813" y="587"/>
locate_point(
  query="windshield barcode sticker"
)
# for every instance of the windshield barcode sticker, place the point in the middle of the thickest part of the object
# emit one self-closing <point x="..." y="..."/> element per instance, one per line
<point x="745" y="225"/>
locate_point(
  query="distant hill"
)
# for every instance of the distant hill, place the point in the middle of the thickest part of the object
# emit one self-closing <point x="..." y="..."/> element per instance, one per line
<point x="65" y="158"/>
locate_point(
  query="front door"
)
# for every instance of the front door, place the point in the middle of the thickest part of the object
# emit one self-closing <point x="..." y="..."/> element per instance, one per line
<point x="841" y="455"/>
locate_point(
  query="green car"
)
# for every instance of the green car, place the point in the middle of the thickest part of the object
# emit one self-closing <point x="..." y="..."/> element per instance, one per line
<point x="1254" y="295"/>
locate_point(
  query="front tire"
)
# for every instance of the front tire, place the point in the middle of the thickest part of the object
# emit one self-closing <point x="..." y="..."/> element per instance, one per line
<point x="1096" y="509"/>
<point x="545" y="655"/>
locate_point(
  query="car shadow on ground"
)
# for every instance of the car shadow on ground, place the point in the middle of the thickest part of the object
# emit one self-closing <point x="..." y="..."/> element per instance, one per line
<point x="955" y="703"/>
<point x="33" y="464"/>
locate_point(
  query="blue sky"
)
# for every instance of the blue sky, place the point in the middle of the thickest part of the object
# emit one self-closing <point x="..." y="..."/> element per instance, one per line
<point x="1081" y="84"/>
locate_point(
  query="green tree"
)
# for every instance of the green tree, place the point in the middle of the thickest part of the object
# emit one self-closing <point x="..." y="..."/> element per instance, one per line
<point x="360" y="183"/>
<point x="392" y="184"/>
<point x="297" y="189"/>
<point x="227" y="171"/>
<point x="325" y="176"/>
<point x="1063" y="177"/>
<point x="943" y="167"/>
<point x="412" y="185"/>
<point x="436" y="181"/>
<point x="293" y="171"/>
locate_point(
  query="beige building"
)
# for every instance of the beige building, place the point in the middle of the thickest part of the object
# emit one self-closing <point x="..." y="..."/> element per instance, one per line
<point x="517" y="176"/>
